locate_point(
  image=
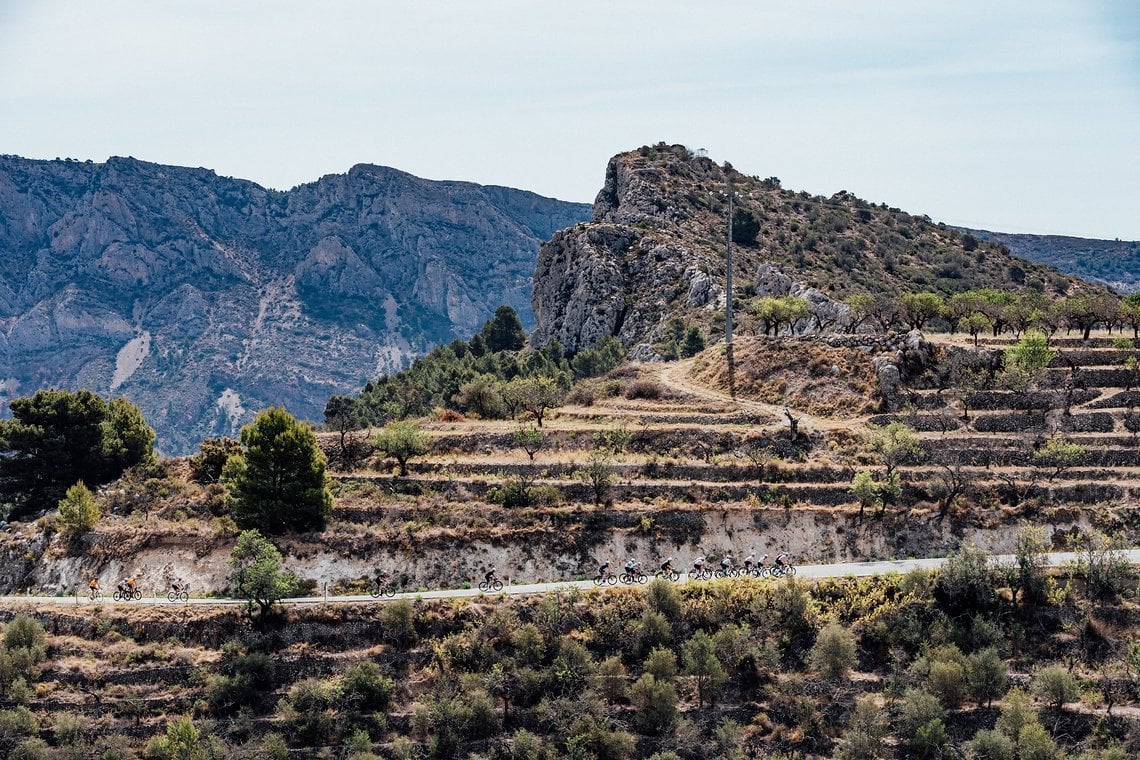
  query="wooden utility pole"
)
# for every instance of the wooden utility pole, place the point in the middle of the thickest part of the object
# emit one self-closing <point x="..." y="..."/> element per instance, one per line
<point x="728" y="291"/>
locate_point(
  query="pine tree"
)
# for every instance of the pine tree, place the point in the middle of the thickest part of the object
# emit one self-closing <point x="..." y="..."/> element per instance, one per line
<point x="278" y="483"/>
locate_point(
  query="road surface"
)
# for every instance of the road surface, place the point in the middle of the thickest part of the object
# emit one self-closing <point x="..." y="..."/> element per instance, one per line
<point x="840" y="570"/>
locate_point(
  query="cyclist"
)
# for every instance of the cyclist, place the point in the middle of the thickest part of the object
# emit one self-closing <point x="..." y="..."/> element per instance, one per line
<point x="603" y="570"/>
<point x="489" y="577"/>
<point x="749" y="561"/>
<point x="726" y="562"/>
<point x="699" y="564"/>
<point x="382" y="578"/>
<point x="131" y="585"/>
<point x="177" y="585"/>
<point x="667" y="565"/>
<point x="93" y="585"/>
<point x="782" y="559"/>
<point x="632" y="566"/>
<point x="763" y="561"/>
<point x="121" y="586"/>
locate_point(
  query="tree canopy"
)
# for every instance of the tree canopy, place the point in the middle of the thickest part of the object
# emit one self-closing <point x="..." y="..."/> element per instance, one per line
<point x="278" y="482"/>
<point x="58" y="438"/>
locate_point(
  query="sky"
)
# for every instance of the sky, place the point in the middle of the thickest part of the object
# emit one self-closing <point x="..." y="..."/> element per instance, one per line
<point x="994" y="114"/>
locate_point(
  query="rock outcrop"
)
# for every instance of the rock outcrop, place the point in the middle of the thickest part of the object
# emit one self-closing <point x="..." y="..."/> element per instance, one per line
<point x="655" y="251"/>
<point x="206" y="298"/>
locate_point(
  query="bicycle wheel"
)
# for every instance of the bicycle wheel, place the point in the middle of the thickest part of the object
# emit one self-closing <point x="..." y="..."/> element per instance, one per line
<point x="674" y="576"/>
<point x="117" y="596"/>
<point x="172" y="596"/>
<point x="137" y="595"/>
<point x="376" y="591"/>
<point x="184" y="596"/>
<point x="694" y="575"/>
<point x="625" y="578"/>
<point x="497" y="585"/>
<point x="642" y="578"/>
<point x="389" y="591"/>
<point x="791" y="570"/>
<point x="484" y="586"/>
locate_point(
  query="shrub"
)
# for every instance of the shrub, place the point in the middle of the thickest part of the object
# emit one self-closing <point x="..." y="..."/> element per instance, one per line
<point x="833" y="653"/>
<point x="991" y="745"/>
<point x="398" y="621"/>
<point x="662" y="664"/>
<point x="78" y="511"/>
<point x="986" y="676"/>
<point x="30" y="749"/>
<point x="1055" y="686"/>
<point x="17" y="722"/>
<point x="655" y="703"/>
<point x="206" y="466"/>
<point x="966" y="580"/>
<point x="920" y="724"/>
<point x="365" y="688"/>
<point x="649" y="390"/>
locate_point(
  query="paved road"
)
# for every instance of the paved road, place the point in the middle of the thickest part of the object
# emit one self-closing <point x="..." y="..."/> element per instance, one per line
<point x="840" y="570"/>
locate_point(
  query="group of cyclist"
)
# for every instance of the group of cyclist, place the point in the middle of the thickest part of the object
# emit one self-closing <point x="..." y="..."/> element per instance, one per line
<point x="127" y="590"/>
<point x="633" y="572"/>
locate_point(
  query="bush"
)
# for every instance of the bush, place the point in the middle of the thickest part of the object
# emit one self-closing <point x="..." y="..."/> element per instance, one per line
<point x="398" y="621"/>
<point x="78" y="511"/>
<point x="966" y="580"/>
<point x="25" y="633"/>
<point x="17" y="722"/>
<point x="365" y="688"/>
<point x="991" y="745"/>
<point x="986" y="676"/>
<point x="30" y="749"/>
<point x="920" y="724"/>
<point x="1055" y="686"/>
<point x="206" y="466"/>
<point x="649" y="390"/>
<point x="833" y="653"/>
<point x="655" y="703"/>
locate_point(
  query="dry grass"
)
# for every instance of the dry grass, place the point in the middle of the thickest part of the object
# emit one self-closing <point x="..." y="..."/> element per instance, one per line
<point x="812" y="377"/>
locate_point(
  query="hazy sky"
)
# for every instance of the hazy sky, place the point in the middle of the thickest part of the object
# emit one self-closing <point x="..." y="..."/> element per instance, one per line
<point x="1015" y="116"/>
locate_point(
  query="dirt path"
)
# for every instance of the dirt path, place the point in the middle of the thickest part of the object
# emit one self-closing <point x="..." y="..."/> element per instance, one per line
<point x="676" y="377"/>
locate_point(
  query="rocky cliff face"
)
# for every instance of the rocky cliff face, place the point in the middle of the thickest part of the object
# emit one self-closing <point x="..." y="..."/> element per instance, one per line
<point x="205" y="298"/>
<point x="655" y="250"/>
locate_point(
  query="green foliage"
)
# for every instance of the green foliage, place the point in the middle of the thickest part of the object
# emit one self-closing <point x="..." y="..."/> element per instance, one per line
<point x="530" y="439"/>
<point x="534" y="395"/>
<point x="213" y="453"/>
<point x="504" y="331"/>
<point x="250" y="681"/>
<point x="30" y="749"/>
<point x="992" y="745"/>
<point x="58" y="438"/>
<point x="278" y="484"/>
<point x="920" y="725"/>
<point x="256" y="574"/>
<point x="1054" y="685"/>
<point x="662" y="664"/>
<point x="655" y="703"/>
<point x="402" y="441"/>
<point x="745" y="226"/>
<point x="916" y="309"/>
<point x="775" y="313"/>
<point x="364" y="688"/>
<point x="703" y="666"/>
<point x="986" y="676"/>
<point x="398" y="619"/>
<point x="966" y="580"/>
<point x="597" y="361"/>
<point x="1102" y="564"/>
<point x="1027" y="574"/>
<point x="1058" y="455"/>
<point x="182" y="741"/>
<point x="1025" y="361"/>
<point x="833" y="654"/>
<point x="599" y="472"/>
<point x="694" y="342"/>
<point x="78" y="511"/>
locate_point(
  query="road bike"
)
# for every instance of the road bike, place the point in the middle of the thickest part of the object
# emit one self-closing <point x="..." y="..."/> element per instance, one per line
<point x="95" y="595"/>
<point x="182" y="595"/>
<point x="757" y="571"/>
<point x="126" y="595"/>
<point x="488" y="586"/>
<point x="669" y="575"/>
<point x="700" y="575"/>
<point x="726" y="572"/>
<point x="637" y="576"/>
<point x="609" y="579"/>
<point x="379" y="590"/>
<point x="779" y="571"/>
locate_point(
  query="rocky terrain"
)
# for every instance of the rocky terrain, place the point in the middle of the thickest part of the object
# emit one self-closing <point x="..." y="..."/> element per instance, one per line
<point x="205" y="299"/>
<point x="655" y="250"/>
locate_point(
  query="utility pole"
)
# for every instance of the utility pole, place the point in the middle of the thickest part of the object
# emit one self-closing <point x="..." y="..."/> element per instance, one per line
<point x="728" y="292"/>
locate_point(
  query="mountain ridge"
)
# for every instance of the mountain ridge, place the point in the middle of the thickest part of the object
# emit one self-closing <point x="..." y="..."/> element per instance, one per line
<point x="204" y="298"/>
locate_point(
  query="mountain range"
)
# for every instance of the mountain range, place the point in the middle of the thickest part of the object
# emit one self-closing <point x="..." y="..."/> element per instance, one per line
<point x="205" y="298"/>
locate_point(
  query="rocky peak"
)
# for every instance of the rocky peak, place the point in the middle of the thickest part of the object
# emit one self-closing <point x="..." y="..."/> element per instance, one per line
<point x="204" y="298"/>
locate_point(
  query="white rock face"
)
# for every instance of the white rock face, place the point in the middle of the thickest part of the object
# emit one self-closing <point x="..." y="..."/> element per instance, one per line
<point x="130" y="358"/>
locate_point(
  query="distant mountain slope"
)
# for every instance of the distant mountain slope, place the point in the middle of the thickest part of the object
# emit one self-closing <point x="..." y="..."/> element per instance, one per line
<point x="655" y="249"/>
<point x="206" y="298"/>
<point x="1115" y="263"/>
